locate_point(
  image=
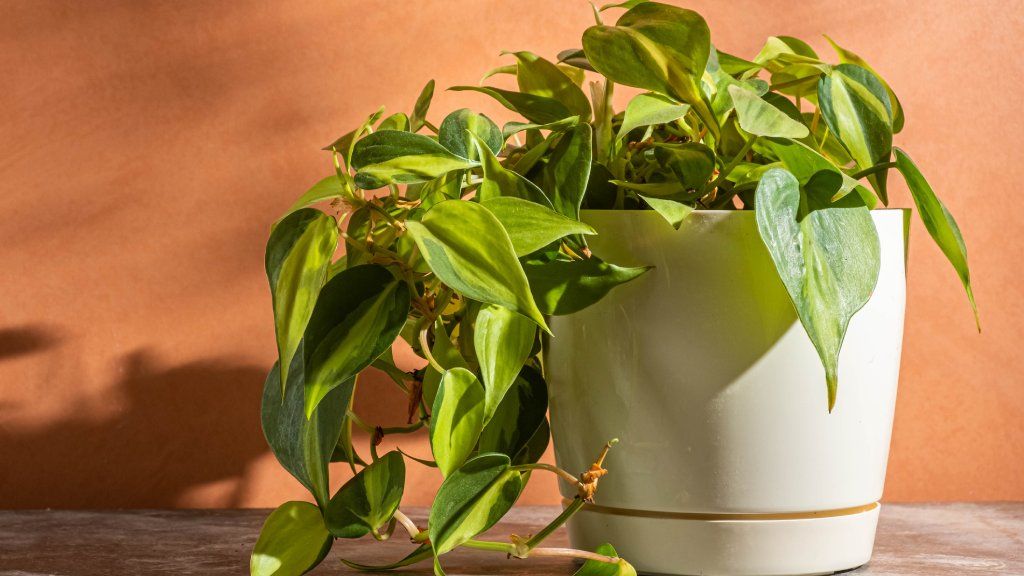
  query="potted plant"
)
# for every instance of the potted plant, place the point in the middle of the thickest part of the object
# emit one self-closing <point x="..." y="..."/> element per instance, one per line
<point x="681" y="275"/>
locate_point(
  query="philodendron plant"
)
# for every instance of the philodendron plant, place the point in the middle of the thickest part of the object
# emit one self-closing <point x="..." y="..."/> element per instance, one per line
<point x="460" y="238"/>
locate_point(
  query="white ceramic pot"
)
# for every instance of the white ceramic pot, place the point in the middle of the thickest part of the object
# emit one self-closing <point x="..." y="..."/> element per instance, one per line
<point x="728" y="461"/>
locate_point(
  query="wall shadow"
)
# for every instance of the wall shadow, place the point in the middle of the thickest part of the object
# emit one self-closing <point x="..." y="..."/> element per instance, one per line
<point x="168" y="430"/>
<point x="26" y="340"/>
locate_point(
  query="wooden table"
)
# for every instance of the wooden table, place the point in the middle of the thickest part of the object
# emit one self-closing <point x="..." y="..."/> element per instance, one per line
<point x="913" y="539"/>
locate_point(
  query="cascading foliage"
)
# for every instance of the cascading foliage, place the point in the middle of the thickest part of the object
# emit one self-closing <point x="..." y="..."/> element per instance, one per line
<point x="461" y="238"/>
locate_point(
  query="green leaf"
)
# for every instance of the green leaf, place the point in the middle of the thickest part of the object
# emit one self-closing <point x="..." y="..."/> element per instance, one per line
<point x="568" y="168"/>
<point x="397" y="121"/>
<point x="534" y="108"/>
<point x="804" y="163"/>
<point x="303" y="446"/>
<point x="327" y="189"/>
<point x="856" y="107"/>
<point x="357" y="317"/>
<point x="456" y="419"/>
<point x="828" y="260"/>
<point x="598" y="568"/>
<point x="563" y="287"/>
<point x="454" y="133"/>
<point x="472" y="499"/>
<point x="419" y="110"/>
<point x="532" y="226"/>
<point x="475" y="258"/>
<point x="655" y="47"/>
<point x="395" y="157"/>
<point x="627" y="4"/>
<point x="503" y="341"/>
<point x="539" y="77"/>
<point x="292" y="542"/>
<point x="653" y="189"/>
<point x="368" y="501"/>
<point x="447" y="354"/>
<point x="343" y="145"/>
<point x="518" y="417"/>
<point x="672" y="211"/>
<point x="845" y="56"/>
<point x="576" y="58"/>
<point x="501" y="182"/>
<point x="298" y="253"/>
<point x="732" y="65"/>
<point x="648" y="109"/>
<point x="939" y="223"/>
<point x="760" y="118"/>
<point x="692" y="163"/>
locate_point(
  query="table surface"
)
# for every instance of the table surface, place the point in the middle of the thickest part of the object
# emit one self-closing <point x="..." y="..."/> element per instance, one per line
<point x="913" y="539"/>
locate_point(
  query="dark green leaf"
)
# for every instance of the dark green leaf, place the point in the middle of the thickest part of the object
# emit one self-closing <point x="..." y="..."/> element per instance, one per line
<point x="391" y="156"/>
<point x="369" y="500"/>
<point x="292" y="542"/>
<point x="568" y="168"/>
<point x="539" y="77"/>
<point x="534" y="108"/>
<point x="472" y="499"/>
<point x="563" y="287"/>
<point x="475" y="258"/>
<point x="655" y="47"/>
<point x="422" y="552"/>
<point x="298" y="253"/>
<point x="454" y="133"/>
<point x="845" y="56"/>
<point x="828" y="261"/>
<point x="939" y="223"/>
<point x="518" y="417"/>
<point x="576" y="58"/>
<point x="357" y="317"/>
<point x="532" y="226"/>
<point x="692" y="163"/>
<point x="456" y="419"/>
<point x="303" y="446"/>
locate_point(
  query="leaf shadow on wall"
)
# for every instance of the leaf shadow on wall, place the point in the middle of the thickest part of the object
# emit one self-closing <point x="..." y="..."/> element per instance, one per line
<point x="160" y="432"/>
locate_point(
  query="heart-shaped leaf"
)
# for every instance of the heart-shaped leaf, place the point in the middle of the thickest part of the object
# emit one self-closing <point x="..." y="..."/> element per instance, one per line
<point x="650" y="108"/>
<point x="568" y="168"/>
<point x="828" y="260"/>
<point x="804" y="163"/>
<point x="856" y="107"/>
<point x="674" y="212"/>
<point x="475" y="258"/>
<point x="456" y="419"/>
<point x="520" y="414"/>
<point x="298" y="254"/>
<point x="532" y="226"/>
<point x="455" y="130"/>
<point x="692" y="163"/>
<point x="758" y="117"/>
<point x="292" y="542"/>
<point x="539" y="109"/>
<point x="539" y="77"/>
<point x="447" y="354"/>
<point x="303" y="446"/>
<point x="563" y="287"/>
<point x="939" y="223"/>
<point x="357" y="317"/>
<point x="503" y="341"/>
<point x="397" y="157"/>
<point x="472" y="499"/>
<point x="369" y="500"/>
<point x="845" y="56"/>
<point x="419" y="110"/>
<point x="499" y="181"/>
<point x="598" y="568"/>
<point x="655" y="47"/>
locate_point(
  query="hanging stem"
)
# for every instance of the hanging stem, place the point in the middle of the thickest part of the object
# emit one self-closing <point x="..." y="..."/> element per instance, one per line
<point x="872" y="170"/>
<point x="562" y="518"/>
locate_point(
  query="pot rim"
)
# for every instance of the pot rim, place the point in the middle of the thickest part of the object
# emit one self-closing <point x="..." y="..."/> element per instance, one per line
<point x="709" y="212"/>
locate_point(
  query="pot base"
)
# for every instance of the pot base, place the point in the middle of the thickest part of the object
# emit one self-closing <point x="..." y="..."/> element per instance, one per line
<point x="694" y="544"/>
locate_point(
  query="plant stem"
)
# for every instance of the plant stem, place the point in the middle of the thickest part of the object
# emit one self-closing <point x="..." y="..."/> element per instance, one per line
<point x="573" y="553"/>
<point x="550" y="468"/>
<point x="408" y="524"/>
<point x="503" y="547"/>
<point x="539" y="537"/>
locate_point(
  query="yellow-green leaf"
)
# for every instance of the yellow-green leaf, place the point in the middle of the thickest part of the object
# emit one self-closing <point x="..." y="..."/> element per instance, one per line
<point x="293" y="541"/>
<point x="532" y="226"/>
<point x="456" y="419"/>
<point x="503" y="341"/>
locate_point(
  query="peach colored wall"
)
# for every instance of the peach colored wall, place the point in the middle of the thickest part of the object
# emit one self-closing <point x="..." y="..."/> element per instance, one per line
<point x="145" y="147"/>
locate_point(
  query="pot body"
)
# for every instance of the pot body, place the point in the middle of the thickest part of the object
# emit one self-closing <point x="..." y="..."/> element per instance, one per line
<point x="728" y="461"/>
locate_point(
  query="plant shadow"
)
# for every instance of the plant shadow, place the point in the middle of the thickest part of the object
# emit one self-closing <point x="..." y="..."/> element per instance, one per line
<point x="160" y="432"/>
